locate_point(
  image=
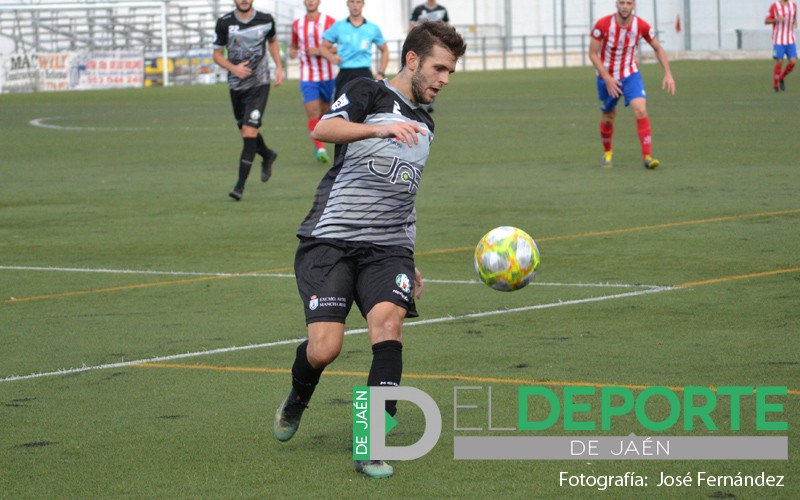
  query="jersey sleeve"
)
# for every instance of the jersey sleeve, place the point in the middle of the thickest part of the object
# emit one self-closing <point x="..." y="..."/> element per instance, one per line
<point x="416" y="13"/>
<point x="295" y="38"/>
<point x="377" y="38"/>
<point x="220" y="35"/>
<point x="446" y="17"/>
<point x="272" y="31"/>
<point x="647" y="31"/>
<point x="332" y="34"/>
<point x="600" y="30"/>
<point x="329" y="22"/>
<point x="355" y="101"/>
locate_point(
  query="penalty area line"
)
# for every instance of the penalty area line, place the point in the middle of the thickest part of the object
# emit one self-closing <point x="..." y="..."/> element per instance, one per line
<point x="222" y="350"/>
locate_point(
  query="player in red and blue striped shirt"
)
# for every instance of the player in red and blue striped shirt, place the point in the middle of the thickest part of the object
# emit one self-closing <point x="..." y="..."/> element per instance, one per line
<point x="612" y="50"/>
<point x="783" y="18"/>
<point x="317" y="75"/>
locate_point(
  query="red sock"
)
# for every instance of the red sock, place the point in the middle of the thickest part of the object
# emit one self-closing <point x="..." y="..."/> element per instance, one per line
<point x="643" y="127"/>
<point x="312" y="122"/>
<point x="789" y="68"/>
<point x="776" y="75"/>
<point x="606" y="132"/>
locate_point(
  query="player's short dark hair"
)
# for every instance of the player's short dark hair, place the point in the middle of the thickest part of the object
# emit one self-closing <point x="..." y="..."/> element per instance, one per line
<point x="422" y="38"/>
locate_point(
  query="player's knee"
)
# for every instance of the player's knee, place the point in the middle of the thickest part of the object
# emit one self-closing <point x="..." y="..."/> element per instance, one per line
<point x="321" y="355"/>
<point x="386" y="329"/>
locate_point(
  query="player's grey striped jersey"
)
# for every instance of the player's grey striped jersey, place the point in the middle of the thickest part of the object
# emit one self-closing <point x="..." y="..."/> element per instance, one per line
<point x="369" y="192"/>
<point x="246" y="41"/>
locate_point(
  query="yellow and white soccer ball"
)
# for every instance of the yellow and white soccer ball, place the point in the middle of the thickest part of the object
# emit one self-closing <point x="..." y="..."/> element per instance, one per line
<point x="506" y="258"/>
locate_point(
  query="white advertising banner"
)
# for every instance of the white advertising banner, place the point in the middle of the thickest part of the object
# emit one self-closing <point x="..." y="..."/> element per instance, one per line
<point x="43" y="71"/>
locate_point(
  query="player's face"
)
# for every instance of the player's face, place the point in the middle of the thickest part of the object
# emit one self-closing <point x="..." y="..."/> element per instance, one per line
<point x="243" y="5"/>
<point x="432" y="75"/>
<point x="355" y="6"/>
<point x="312" y="5"/>
<point x="625" y="8"/>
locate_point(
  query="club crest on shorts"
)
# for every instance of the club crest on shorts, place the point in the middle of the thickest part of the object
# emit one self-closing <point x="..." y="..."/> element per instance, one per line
<point x="313" y="303"/>
<point x="403" y="282"/>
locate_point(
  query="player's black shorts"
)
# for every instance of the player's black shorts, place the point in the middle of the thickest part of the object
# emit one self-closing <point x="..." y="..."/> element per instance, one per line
<point x="331" y="274"/>
<point x="249" y="105"/>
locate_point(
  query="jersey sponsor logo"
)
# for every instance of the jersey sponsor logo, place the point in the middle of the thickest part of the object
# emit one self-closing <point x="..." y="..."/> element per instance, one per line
<point x="255" y="115"/>
<point x="340" y="102"/>
<point x="400" y="171"/>
<point x="597" y="33"/>
<point x="403" y="282"/>
<point x="651" y="33"/>
<point x="313" y="303"/>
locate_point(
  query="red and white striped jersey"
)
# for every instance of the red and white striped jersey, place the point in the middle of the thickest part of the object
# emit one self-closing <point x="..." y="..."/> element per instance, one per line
<point x="783" y="32"/>
<point x="306" y="34"/>
<point x="619" y="45"/>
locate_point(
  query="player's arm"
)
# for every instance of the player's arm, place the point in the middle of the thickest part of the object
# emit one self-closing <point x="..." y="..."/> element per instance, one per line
<point x="773" y="17"/>
<point x="240" y="70"/>
<point x="294" y="46"/>
<point x="337" y="130"/>
<point x="384" y="59"/>
<point x="612" y="84"/>
<point x="329" y="52"/>
<point x="668" y="83"/>
<point x="275" y="51"/>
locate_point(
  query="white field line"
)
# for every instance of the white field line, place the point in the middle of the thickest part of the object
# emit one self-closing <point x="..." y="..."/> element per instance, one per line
<point x="409" y="324"/>
<point x="40" y="122"/>
<point x="135" y="271"/>
<point x="289" y="275"/>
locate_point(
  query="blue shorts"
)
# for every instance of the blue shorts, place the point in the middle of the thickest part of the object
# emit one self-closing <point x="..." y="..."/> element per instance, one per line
<point x="318" y="90"/>
<point x="787" y="51"/>
<point x="632" y="88"/>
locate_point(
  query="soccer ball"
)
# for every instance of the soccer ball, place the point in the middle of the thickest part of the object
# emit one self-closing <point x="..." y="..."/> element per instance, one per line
<point x="506" y="258"/>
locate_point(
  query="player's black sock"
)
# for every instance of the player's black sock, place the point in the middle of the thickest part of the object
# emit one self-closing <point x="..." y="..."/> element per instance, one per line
<point x="304" y="376"/>
<point x="262" y="146"/>
<point x="387" y="368"/>
<point x="246" y="160"/>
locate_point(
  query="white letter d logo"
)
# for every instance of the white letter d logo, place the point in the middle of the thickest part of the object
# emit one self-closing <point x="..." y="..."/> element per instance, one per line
<point x="433" y="423"/>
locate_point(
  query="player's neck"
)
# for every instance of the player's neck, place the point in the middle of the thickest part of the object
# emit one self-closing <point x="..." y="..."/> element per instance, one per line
<point x="312" y="16"/>
<point x="624" y="21"/>
<point x="247" y="15"/>
<point x="356" y="20"/>
<point x="402" y="83"/>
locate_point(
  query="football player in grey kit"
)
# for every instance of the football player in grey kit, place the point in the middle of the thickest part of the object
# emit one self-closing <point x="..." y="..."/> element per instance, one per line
<point x="245" y="33"/>
<point x="357" y="242"/>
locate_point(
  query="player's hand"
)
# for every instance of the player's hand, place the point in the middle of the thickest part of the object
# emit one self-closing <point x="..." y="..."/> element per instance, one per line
<point x="242" y="71"/>
<point x="418" y="284"/>
<point x="668" y="84"/>
<point x="614" y="87"/>
<point x="405" y="132"/>
<point x="278" y="77"/>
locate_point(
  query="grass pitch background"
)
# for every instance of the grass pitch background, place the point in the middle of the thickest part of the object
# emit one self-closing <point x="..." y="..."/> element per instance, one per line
<point x="137" y="180"/>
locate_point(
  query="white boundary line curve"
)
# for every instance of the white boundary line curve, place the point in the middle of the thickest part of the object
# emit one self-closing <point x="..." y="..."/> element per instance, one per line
<point x="443" y="319"/>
